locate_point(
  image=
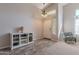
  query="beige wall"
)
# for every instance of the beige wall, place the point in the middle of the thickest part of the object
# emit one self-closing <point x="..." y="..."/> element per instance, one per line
<point x="47" y="26"/>
<point x="59" y="20"/>
<point x="48" y="22"/>
<point x="15" y="15"/>
<point x="69" y="13"/>
<point x="69" y="17"/>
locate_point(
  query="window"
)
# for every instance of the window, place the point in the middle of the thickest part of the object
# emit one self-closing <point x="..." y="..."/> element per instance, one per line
<point x="77" y="22"/>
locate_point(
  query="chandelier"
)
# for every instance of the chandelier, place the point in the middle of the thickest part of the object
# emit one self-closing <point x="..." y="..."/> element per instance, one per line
<point x="46" y="13"/>
<point x="43" y="12"/>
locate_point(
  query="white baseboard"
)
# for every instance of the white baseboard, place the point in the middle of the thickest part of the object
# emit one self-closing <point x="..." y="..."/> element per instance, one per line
<point x="4" y="47"/>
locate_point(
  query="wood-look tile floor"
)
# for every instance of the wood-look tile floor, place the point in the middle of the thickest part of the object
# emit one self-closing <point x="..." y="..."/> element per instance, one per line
<point x="30" y="49"/>
<point x="44" y="47"/>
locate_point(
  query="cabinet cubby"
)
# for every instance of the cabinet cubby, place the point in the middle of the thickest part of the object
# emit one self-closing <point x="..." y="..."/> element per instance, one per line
<point x="20" y="39"/>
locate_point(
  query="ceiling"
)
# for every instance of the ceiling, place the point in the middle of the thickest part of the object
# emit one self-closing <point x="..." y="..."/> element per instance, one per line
<point x="40" y="5"/>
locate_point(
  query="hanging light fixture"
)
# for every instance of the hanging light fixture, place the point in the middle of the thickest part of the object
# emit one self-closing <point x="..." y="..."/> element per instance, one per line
<point x="43" y="12"/>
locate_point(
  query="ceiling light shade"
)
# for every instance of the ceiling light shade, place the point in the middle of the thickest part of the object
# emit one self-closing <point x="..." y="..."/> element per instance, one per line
<point x="44" y="15"/>
<point x="44" y="12"/>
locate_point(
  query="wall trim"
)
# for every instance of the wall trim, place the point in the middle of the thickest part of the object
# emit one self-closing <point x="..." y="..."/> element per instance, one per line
<point x="4" y="47"/>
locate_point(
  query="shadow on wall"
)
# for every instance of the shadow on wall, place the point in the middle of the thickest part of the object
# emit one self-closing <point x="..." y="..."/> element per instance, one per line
<point x="5" y="41"/>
